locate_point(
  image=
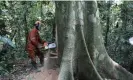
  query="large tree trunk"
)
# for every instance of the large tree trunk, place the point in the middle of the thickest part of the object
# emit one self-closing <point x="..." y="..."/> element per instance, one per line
<point x="82" y="48"/>
<point x="61" y="26"/>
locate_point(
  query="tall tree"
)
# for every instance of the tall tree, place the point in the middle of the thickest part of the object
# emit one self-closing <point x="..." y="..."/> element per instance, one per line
<point x="81" y="44"/>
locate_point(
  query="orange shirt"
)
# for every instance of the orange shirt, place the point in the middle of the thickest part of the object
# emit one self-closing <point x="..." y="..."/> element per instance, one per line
<point x="33" y="39"/>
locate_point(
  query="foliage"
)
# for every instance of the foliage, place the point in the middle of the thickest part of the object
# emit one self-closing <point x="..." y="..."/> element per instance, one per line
<point x="16" y="19"/>
<point x="120" y="30"/>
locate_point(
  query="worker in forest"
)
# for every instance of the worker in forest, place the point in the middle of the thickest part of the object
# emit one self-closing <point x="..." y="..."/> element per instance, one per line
<point x="34" y="43"/>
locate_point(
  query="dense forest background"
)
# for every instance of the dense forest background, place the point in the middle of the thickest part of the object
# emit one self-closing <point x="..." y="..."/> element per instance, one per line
<point x="116" y="22"/>
<point x="17" y="19"/>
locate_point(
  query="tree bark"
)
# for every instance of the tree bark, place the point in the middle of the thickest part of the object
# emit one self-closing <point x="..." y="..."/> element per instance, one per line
<point x="69" y="65"/>
<point x="61" y="26"/>
<point x="82" y="46"/>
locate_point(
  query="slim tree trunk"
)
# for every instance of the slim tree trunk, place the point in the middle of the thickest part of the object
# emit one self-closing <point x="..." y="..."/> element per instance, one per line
<point x="25" y="22"/>
<point x="108" y="23"/>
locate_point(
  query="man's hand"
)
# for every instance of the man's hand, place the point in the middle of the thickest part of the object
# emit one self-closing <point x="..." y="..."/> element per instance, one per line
<point x="45" y="45"/>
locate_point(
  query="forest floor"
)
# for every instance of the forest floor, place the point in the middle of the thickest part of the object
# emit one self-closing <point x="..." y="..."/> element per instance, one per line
<point x="24" y="71"/>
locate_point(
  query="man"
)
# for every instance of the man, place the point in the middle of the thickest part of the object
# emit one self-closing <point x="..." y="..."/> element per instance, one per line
<point x="33" y="45"/>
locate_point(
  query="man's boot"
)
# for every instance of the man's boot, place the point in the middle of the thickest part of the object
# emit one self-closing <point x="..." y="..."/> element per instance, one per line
<point x="34" y="64"/>
<point x="42" y="61"/>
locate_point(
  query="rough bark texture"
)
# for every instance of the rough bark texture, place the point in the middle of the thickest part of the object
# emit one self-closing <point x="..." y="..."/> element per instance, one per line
<point x="60" y="24"/>
<point x="81" y="43"/>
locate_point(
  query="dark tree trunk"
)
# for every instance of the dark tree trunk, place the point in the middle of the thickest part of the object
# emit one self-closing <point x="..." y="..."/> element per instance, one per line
<point x="108" y="23"/>
<point x="25" y="22"/>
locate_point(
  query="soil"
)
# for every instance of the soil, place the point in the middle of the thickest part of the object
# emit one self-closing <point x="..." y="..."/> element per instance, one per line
<point x="24" y="71"/>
